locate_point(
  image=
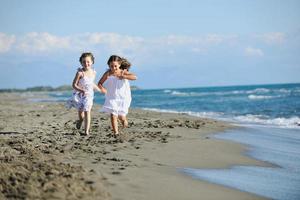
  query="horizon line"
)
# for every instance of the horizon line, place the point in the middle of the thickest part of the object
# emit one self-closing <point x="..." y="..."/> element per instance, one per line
<point x="213" y="86"/>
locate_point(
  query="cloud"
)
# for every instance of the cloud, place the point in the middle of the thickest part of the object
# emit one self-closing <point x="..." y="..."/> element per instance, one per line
<point x="214" y="39"/>
<point x="35" y="43"/>
<point x="249" y="51"/>
<point x="42" y="42"/>
<point x="139" y="48"/>
<point x="272" y="38"/>
<point x="115" y="42"/>
<point x="39" y="43"/>
<point x="6" y="42"/>
<point x="203" y="40"/>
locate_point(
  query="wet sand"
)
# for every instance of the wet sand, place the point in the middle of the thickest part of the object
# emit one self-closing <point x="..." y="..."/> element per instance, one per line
<point x="43" y="155"/>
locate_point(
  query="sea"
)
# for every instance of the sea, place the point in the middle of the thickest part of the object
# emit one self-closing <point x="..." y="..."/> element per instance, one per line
<point x="269" y="117"/>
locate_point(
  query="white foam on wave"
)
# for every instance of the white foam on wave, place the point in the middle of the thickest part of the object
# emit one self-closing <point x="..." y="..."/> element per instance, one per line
<point x="180" y="93"/>
<point x="177" y="93"/>
<point x="262" y="97"/>
<point x="196" y="114"/>
<point x="258" y="90"/>
<point x="288" y="91"/>
<point x="284" y="91"/>
<point x="258" y="93"/>
<point x="251" y="96"/>
<point x="218" y="93"/>
<point x="292" y="122"/>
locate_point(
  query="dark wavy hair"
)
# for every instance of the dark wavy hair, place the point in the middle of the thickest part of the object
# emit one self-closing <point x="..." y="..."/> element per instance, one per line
<point x="87" y="54"/>
<point x="125" y="64"/>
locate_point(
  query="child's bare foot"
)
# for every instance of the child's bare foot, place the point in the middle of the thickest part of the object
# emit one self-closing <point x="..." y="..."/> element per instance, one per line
<point x="116" y="135"/>
<point x="125" y="123"/>
<point x="78" y="124"/>
<point x="84" y="134"/>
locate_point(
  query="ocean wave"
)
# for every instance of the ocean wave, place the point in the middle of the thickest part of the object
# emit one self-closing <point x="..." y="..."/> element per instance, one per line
<point x="217" y="93"/>
<point x="283" y="90"/>
<point x="177" y="93"/>
<point x="258" y="93"/>
<point x="286" y="91"/>
<point x="195" y="114"/>
<point x="297" y="89"/>
<point x="260" y="97"/>
<point x="292" y="122"/>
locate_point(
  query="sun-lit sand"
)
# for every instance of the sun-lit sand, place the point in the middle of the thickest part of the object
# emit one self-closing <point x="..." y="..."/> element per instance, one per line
<point x="43" y="156"/>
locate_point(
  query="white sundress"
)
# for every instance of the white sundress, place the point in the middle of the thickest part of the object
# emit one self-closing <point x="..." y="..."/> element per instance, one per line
<point x="80" y="101"/>
<point x="118" y="96"/>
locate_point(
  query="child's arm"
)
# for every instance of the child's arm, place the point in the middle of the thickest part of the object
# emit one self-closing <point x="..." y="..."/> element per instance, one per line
<point x="127" y="75"/>
<point x="75" y="83"/>
<point x="101" y="81"/>
<point x="97" y="88"/>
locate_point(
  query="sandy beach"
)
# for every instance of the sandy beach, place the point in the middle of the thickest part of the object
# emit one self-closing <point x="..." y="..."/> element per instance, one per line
<point x="43" y="155"/>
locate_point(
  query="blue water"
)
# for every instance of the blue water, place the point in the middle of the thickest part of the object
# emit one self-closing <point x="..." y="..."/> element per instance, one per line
<point x="270" y="116"/>
<point x="275" y="145"/>
<point x="276" y="105"/>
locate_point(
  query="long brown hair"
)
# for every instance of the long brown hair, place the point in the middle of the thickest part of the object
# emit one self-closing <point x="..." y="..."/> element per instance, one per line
<point x="124" y="63"/>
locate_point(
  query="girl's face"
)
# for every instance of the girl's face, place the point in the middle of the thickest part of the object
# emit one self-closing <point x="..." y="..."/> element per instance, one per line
<point x="114" y="66"/>
<point x="87" y="62"/>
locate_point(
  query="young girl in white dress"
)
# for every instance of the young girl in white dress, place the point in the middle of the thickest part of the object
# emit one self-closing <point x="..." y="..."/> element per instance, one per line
<point x="83" y="94"/>
<point x="117" y="89"/>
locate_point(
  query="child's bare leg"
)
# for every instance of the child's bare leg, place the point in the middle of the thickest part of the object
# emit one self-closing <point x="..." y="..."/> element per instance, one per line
<point x="80" y="116"/>
<point x="114" y="123"/>
<point x="123" y="121"/>
<point x="87" y="121"/>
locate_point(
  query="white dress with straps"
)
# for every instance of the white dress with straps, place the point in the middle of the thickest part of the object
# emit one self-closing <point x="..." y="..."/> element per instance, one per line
<point x="80" y="101"/>
<point x="118" y="96"/>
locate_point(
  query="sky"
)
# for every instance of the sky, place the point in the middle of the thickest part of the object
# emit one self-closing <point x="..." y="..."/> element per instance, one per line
<point x="171" y="44"/>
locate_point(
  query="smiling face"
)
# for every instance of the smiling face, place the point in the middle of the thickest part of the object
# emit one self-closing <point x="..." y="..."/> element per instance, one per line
<point x="114" y="66"/>
<point x="87" y="62"/>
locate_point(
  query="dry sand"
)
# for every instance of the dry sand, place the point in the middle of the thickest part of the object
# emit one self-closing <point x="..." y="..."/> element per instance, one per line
<point x="43" y="156"/>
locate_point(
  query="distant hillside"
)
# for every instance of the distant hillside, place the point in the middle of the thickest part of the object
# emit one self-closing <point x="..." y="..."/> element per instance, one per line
<point x="40" y="89"/>
<point x="134" y="87"/>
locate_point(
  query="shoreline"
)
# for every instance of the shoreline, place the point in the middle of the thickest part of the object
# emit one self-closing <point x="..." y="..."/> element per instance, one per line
<point x="275" y="145"/>
<point x="143" y="166"/>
